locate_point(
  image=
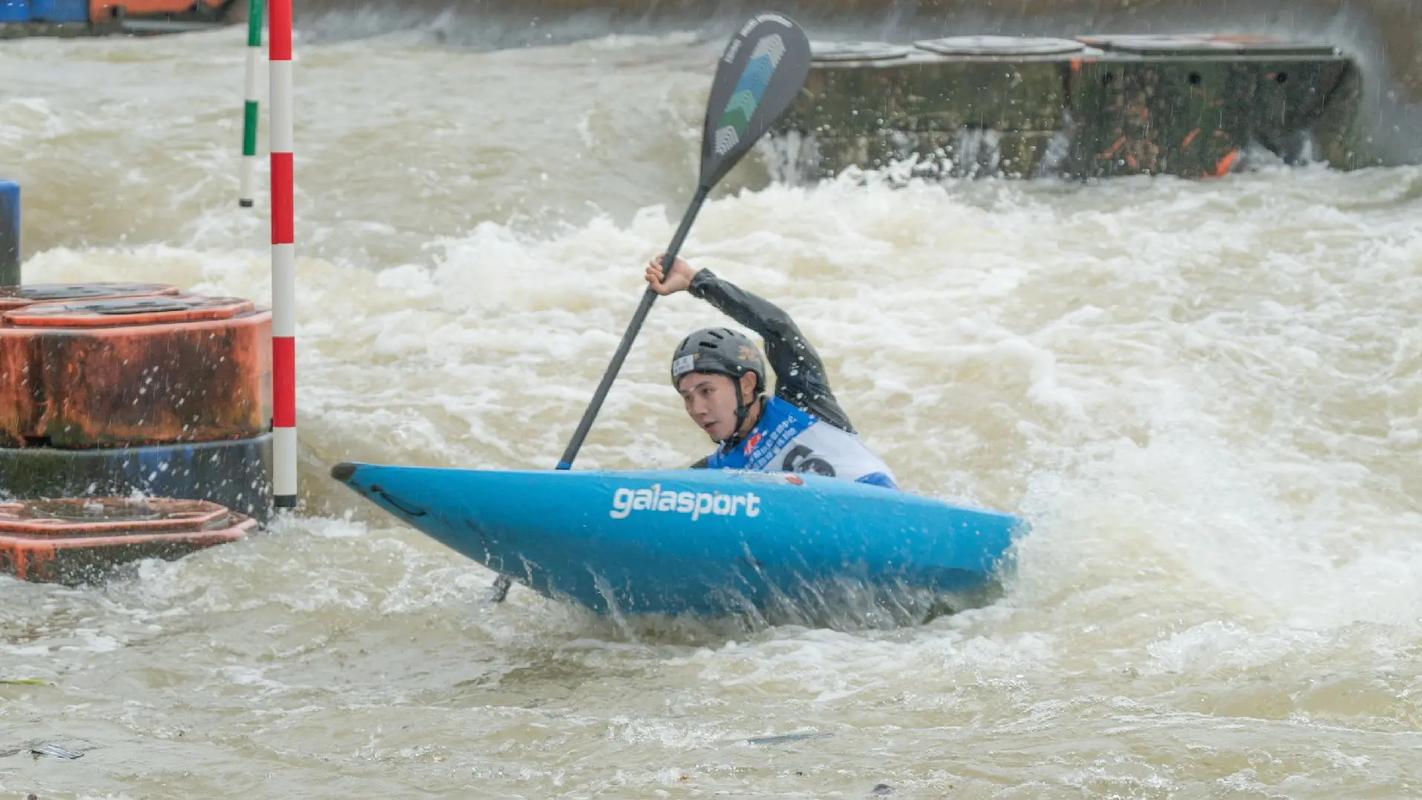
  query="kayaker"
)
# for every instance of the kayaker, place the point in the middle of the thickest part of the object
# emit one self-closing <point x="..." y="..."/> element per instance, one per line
<point x="721" y="377"/>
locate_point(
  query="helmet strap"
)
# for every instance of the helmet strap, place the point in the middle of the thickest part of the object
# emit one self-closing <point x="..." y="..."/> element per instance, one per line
<point x="742" y="411"/>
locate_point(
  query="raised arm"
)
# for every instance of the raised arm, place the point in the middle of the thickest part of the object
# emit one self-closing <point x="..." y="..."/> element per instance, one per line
<point x="799" y="371"/>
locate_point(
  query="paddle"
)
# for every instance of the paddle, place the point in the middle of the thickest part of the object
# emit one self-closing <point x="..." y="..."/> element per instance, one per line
<point x="760" y="73"/>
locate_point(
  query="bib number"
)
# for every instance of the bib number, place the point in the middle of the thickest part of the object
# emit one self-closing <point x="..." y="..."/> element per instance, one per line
<point x="802" y="459"/>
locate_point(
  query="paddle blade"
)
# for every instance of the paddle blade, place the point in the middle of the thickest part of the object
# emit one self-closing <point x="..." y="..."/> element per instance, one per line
<point x="758" y="77"/>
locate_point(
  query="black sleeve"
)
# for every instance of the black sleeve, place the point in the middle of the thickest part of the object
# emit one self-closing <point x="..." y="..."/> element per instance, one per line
<point x="799" y="372"/>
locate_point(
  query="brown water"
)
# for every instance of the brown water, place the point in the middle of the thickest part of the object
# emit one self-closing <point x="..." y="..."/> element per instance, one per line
<point x="1205" y="397"/>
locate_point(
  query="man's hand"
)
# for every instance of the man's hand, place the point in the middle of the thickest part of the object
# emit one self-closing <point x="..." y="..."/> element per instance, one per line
<point x="678" y="280"/>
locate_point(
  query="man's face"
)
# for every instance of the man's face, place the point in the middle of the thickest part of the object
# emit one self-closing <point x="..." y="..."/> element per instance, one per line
<point x="710" y="402"/>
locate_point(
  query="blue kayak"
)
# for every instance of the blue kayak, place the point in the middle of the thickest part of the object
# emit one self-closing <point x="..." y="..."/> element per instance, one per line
<point x="689" y="541"/>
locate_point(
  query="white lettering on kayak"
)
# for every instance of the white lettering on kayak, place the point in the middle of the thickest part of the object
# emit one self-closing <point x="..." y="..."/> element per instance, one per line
<point x="697" y="504"/>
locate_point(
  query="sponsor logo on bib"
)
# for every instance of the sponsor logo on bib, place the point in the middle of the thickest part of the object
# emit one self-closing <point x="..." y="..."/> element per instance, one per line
<point x="752" y="442"/>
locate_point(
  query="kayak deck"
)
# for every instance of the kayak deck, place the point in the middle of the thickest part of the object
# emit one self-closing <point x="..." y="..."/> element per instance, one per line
<point x="690" y="541"/>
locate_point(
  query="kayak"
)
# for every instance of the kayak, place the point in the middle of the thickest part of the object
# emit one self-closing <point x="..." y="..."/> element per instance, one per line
<point x="699" y="542"/>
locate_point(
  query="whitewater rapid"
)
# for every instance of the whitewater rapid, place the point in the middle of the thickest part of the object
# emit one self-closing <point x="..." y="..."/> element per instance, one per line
<point x="1206" y="398"/>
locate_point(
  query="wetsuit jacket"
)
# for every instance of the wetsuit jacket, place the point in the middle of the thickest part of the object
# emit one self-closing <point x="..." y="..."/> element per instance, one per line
<point x="801" y="428"/>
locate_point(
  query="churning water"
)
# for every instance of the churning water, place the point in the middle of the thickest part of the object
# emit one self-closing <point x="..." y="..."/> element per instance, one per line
<point x="1206" y="397"/>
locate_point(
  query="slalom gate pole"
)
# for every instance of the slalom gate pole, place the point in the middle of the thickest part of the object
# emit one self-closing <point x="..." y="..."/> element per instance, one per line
<point x="249" y="105"/>
<point x="283" y="262"/>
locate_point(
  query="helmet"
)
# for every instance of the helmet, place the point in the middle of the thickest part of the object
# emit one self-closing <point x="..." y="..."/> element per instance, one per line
<point x="719" y="350"/>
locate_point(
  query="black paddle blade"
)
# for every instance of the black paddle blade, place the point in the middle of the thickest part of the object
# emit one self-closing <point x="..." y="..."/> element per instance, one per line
<point x="757" y="78"/>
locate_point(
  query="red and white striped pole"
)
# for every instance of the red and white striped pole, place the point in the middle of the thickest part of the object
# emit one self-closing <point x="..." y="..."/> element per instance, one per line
<point x="283" y="261"/>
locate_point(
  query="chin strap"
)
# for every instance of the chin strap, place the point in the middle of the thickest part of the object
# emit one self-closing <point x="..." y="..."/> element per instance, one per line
<point x="742" y="411"/>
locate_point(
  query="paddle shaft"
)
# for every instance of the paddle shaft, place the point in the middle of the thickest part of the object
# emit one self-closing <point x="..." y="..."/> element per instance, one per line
<point x="648" y="298"/>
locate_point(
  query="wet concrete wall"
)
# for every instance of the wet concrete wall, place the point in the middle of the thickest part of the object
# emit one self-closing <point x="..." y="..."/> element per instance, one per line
<point x="1022" y="106"/>
<point x="1383" y="36"/>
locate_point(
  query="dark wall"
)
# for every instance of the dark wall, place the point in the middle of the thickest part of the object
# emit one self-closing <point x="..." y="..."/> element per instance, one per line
<point x="1384" y="36"/>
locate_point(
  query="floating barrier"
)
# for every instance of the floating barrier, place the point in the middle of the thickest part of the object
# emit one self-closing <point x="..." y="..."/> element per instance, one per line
<point x="1086" y="107"/>
<point x="76" y="540"/>
<point x="121" y="389"/>
<point x="9" y="224"/>
<point x="133" y="371"/>
<point x="235" y="473"/>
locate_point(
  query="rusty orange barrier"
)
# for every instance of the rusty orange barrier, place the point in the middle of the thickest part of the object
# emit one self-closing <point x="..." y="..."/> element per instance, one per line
<point x="134" y="371"/>
<point x="74" y="540"/>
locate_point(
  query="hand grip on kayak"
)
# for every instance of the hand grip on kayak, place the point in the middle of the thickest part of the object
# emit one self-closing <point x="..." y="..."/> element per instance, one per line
<point x="759" y="75"/>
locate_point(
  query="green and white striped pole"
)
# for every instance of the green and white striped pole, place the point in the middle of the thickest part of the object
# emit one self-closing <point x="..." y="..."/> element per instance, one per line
<point x="249" y="108"/>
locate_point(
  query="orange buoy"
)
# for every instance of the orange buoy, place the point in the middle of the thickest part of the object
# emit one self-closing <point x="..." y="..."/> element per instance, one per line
<point x="74" y="540"/>
<point x="17" y="411"/>
<point x="134" y="371"/>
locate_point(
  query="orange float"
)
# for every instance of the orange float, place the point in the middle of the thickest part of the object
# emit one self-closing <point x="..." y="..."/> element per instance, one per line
<point x="75" y="540"/>
<point x="134" y="371"/>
